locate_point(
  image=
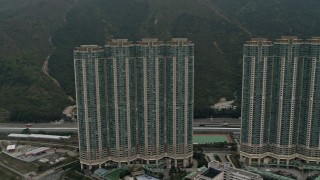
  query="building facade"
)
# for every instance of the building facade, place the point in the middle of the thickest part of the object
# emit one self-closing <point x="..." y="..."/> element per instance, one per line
<point x="309" y="130"/>
<point x="142" y="101"/>
<point x="256" y="92"/>
<point x="89" y="64"/>
<point x="279" y="114"/>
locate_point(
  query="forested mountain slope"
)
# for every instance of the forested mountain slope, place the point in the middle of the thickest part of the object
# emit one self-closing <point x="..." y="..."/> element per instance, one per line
<point x="25" y="27"/>
<point x="217" y="27"/>
<point x="218" y="42"/>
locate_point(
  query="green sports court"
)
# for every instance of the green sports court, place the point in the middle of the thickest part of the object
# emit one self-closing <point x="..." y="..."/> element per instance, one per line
<point x="210" y="138"/>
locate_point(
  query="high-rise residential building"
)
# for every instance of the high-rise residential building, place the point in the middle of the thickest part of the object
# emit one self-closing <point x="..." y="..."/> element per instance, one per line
<point x="142" y="101"/>
<point x="256" y="92"/>
<point x="309" y="126"/>
<point x="280" y="101"/>
<point x="286" y="91"/>
<point x="90" y="68"/>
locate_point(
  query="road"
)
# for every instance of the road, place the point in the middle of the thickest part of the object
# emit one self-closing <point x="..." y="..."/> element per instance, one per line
<point x="214" y="126"/>
<point x="196" y="122"/>
<point x="221" y="155"/>
<point x="75" y="129"/>
<point x="18" y="127"/>
<point x="234" y="122"/>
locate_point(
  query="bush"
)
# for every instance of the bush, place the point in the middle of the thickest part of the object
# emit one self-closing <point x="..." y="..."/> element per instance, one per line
<point x="216" y="157"/>
<point x="200" y="157"/>
<point x="124" y="173"/>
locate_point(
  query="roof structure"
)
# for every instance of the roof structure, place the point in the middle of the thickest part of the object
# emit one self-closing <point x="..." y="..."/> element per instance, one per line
<point x="11" y="147"/>
<point x="44" y="160"/>
<point x="211" y="173"/>
<point x="39" y="136"/>
<point x="37" y="151"/>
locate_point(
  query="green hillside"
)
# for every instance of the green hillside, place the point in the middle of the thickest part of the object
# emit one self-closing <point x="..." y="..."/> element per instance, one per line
<point x="274" y="18"/>
<point x="218" y="72"/>
<point x="217" y="27"/>
<point x="25" y="27"/>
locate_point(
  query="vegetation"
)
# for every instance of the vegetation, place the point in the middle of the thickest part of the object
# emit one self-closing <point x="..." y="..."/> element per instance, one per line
<point x="200" y="157"/>
<point x="4" y="115"/>
<point x="217" y="27"/>
<point x="74" y="172"/>
<point x="26" y="131"/>
<point x="73" y="175"/>
<point x="21" y="166"/>
<point x="217" y="158"/>
<point x="177" y="173"/>
<point x="206" y="112"/>
<point x="211" y="34"/>
<point x="8" y="175"/>
<point x="312" y="177"/>
<point x="124" y="173"/>
<point x="25" y="28"/>
<point x="235" y="160"/>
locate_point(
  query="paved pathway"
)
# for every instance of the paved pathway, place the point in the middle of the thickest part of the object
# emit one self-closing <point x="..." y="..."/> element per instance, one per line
<point x="221" y="155"/>
<point x="195" y="163"/>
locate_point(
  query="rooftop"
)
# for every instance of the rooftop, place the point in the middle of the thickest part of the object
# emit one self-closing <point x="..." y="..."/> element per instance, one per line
<point x="87" y="48"/>
<point x="36" y="151"/>
<point x="118" y="43"/>
<point x="211" y="173"/>
<point x="258" y="41"/>
<point x="313" y="40"/>
<point x="289" y="39"/>
<point x="40" y="136"/>
<point x="11" y="147"/>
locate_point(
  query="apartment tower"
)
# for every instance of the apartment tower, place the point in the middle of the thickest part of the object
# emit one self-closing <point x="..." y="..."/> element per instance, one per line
<point x="256" y="92"/>
<point x="280" y="101"/>
<point x="146" y="93"/>
<point x="309" y="127"/>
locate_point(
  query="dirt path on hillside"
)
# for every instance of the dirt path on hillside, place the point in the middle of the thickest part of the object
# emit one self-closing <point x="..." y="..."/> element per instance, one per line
<point x="45" y="68"/>
<point x="216" y="10"/>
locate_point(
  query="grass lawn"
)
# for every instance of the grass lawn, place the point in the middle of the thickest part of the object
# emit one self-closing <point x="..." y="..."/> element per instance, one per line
<point x="21" y="166"/>
<point x="209" y="138"/>
<point x="8" y="175"/>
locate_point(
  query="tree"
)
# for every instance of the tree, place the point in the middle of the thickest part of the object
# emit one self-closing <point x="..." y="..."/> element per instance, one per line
<point x="25" y="131"/>
<point x="124" y="173"/>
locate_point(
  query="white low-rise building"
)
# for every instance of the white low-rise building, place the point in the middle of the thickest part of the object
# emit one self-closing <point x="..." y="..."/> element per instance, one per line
<point x="39" y="136"/>
<point x="223" y="104"/>
<point x="232" y="173"/>
<point x="219" y="171"/>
